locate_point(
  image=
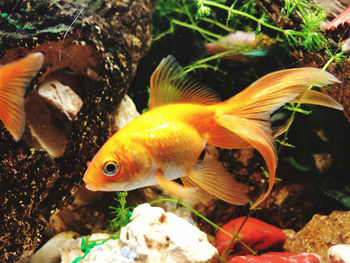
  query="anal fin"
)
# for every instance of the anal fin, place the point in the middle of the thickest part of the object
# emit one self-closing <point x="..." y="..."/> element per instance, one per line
<point x="212" y="177"/>
<point x="201" y="195"/>
<point x="187" y="195"/>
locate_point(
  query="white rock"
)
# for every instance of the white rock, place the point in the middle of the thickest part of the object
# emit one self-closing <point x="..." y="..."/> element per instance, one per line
<point x="153" y="236"/>
<point x="345" y="45"/>
<point x="339" y="253"/>
<point x="71" y="249"/>
<point x="124" y="113"/>
<point x="157" y="236"/>
<point x="62" y="97"/>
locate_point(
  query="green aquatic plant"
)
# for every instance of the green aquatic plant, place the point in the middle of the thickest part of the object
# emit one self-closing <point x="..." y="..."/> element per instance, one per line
<point x="122" y="216"/>
<point x="339" y="191"/>
<point x="206" y="18"/>
<point x="122" y="213"/>
<point x="311" y="15"/>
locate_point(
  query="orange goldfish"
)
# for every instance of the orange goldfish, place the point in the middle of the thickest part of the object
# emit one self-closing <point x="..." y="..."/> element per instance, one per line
<point x="14" y="78"/>
<point x="165" y="143"/>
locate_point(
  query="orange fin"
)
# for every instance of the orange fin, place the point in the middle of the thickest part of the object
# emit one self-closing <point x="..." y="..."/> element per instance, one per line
<point x="170" y="84"/>
<point x="212" y="177"/>
<point x="272" y="91"/>
<point x="258" y="135"/>
<point x="14" y="78"/>
<point x="248" y="113"/>
<point x="224" y="138"/>
<point x="283" y="128"/>
<point x="318" y="98"/>
<point x="203" y="196"/>
<point x="177" y="191"/>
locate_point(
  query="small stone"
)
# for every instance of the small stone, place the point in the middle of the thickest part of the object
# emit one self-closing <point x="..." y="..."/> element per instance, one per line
<point x="278" y="257"/>
<point x="125" y="252"/>
<point x="133" y="256"/>
<point x="49" y="253"/>
<point x="345" y="45"/>
<point x="124" y="113"/>
<point x="258" y="235"/>
<point x="62" y="97"/>
<point x="339" y="253"/>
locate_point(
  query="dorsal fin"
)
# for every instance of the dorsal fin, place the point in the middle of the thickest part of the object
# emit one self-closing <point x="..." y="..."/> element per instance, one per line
<point x="171" y="84"/>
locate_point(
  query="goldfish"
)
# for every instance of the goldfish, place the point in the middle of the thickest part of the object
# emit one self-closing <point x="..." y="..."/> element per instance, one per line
<point x="165" y="143"/>
<point x="14" y="79"/>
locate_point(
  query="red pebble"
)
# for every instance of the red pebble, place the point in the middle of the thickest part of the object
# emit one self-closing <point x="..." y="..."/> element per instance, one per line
<point x="256" y="234"/>
<point x="277" y="257"/>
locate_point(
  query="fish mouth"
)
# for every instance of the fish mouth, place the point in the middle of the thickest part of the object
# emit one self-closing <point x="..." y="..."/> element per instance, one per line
<point x="90" y="185"/>
<point x="91" y="188"/>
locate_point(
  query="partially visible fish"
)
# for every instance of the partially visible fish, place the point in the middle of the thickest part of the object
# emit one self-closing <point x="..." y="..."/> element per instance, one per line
<point x="245" y="44"/>
<point x="342" y="19"/>
<point x="332" y="7"/>
<point x="14" y="79"/>
<point x="165" y="143"/>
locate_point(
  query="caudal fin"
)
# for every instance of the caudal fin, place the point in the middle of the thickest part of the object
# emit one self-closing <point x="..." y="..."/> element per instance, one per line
<point x="14" y="78"/>
<point x="247" y="114"/>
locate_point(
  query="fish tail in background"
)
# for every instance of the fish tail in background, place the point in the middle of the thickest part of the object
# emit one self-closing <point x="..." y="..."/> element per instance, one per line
<point x="245" y="117"/>
<point x="14" y="78"/>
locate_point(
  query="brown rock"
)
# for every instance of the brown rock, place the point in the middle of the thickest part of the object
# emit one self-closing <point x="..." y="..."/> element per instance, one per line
<point x="320" y="234"/>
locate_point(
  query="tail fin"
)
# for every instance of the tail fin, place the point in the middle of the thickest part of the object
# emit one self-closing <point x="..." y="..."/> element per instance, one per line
<point x="14" y="78"/>
<point x="247" y="114"/>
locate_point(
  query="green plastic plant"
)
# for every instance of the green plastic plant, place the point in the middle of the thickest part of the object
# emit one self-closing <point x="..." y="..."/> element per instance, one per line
<point x="87" y="245"/>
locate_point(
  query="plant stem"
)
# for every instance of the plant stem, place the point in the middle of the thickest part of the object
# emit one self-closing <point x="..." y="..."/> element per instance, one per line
<point x="214" y="22"/>
<point x="195" y="27"/>
<point x="235" y="238"/>
<point x="213" y="57"/>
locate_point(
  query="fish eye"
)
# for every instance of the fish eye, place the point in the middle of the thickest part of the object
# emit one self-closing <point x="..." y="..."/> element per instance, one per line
<point x="111" y="168"/>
